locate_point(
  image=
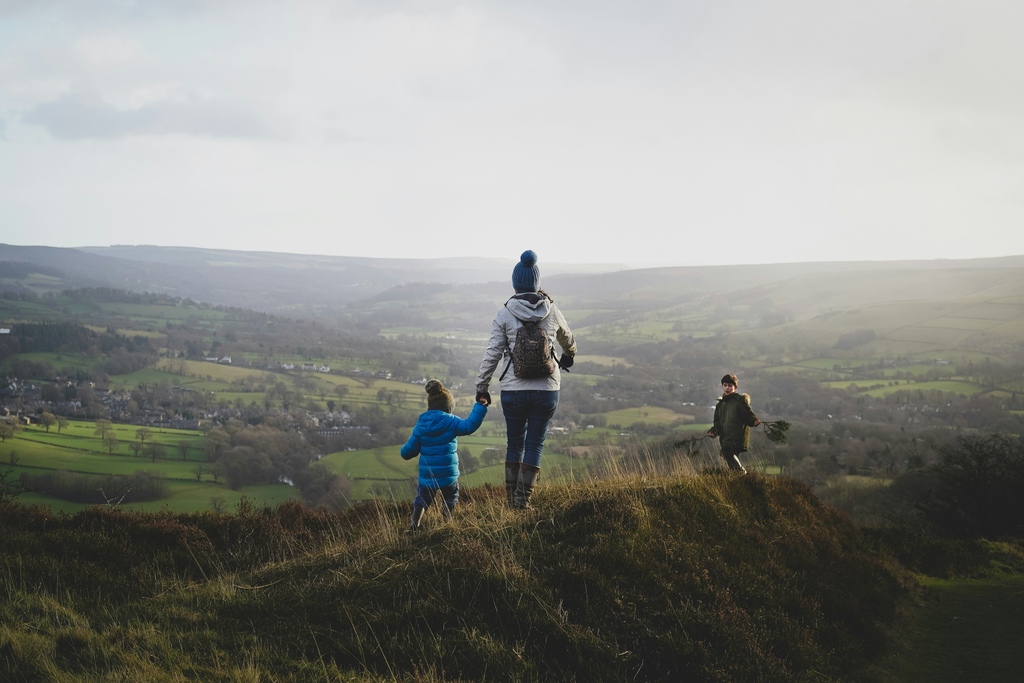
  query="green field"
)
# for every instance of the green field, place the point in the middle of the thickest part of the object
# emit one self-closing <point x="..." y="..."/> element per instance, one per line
<point x="28" y="311"/>
<point x="651" y="414"/>
<point x="829" y="363"/>
<point x="606" y="361"/>
<point x="950" y="386"/>
<point x="55" y="449"/>
<point x="72" y="361"/>
<point x="159" y="314"/>
<point x="880" y="388"/>
<point x="77" y="448"/>
<point x="232" y="384"/>
<point x="185" y="497"/>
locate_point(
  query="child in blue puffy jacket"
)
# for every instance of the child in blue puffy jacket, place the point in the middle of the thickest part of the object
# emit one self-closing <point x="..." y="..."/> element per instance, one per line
<point x="434" y="440"/>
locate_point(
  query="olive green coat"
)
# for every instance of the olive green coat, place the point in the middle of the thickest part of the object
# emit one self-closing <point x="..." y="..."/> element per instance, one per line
<point x="733" y="419"/>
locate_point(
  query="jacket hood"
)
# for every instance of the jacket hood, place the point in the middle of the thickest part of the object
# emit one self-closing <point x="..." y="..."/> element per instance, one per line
<point x="529" y="306"/>
<point x="435" y="422"/>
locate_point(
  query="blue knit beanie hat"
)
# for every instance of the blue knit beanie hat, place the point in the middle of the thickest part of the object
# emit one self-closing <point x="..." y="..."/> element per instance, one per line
<point x="526" y="274"/>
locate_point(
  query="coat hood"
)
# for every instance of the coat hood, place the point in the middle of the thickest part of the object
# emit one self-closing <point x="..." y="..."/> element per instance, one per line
<point x="529" y="306"/>
<point x="435" y="422"/>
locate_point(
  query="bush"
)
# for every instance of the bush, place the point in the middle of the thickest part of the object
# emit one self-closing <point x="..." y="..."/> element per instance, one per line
<point x="98" y="489"/>
<point x="979" y="491"/>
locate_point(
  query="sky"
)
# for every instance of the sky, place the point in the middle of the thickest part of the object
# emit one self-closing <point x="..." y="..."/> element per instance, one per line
<point x="633" y="132"/>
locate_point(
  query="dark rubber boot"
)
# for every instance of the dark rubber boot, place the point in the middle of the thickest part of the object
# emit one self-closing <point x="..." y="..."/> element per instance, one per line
<point x="527" y="478"/>
<point x="511" y="482"/>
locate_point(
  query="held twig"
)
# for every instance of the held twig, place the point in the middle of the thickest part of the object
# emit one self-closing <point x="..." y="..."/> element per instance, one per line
<point x="691" y="445"/>
<point x="776" y="430"/>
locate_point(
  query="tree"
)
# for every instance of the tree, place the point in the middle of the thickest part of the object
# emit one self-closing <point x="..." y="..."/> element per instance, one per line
<point x="157" y="450"/>
<point x="49" y="392"/>
<point x="243" y="465"/>
<point x="491" y="456"/>
<point x="10" y="483"/>
<point x="215" y="442"/>
<point x="183" y="447"/>
<point x="980" y="489"/>
<point x="111" y="441"/>
<point x="47" y="419"/>
<point x="321" y="487"/>
<point x="467" y="461"/>
<point x="62" y="423"/>
<point x="103" y="427"/>
<point x="143" y="433"/>
<point x="8" y="428"/>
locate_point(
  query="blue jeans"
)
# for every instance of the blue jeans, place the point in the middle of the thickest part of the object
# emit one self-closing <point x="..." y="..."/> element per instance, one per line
<point x="449" y="494"/>
<point x="527" y="418"/>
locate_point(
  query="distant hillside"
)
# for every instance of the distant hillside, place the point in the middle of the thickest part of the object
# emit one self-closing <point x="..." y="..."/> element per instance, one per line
<point x="928" y="307"/>
<point x="269" y="282"/>
<point x="918" y="306"/>
<point x="802" y="289"/>
<point x="806" y="287"/>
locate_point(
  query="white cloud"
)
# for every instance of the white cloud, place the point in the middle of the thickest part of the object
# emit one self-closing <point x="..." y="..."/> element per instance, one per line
<point x="74" y="118"/>
<point x="101" y="52"/>
<point x="677" y="131"/>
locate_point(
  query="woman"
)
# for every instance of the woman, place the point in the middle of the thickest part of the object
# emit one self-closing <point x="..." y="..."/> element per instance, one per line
<point x="529" y="395"/>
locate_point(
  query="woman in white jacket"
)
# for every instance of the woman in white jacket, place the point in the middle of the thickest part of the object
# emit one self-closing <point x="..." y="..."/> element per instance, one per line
<point x="527" y="402"/>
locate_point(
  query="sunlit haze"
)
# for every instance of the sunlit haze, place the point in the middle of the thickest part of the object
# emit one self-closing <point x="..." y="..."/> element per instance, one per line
<point x="641" y="133"/>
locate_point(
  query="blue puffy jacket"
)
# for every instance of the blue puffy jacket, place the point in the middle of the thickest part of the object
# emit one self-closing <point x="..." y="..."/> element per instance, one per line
<point x="433" y="439"/>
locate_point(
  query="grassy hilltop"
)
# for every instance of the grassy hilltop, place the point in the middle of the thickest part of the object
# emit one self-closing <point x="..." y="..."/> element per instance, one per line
<point x="638" y="577"/>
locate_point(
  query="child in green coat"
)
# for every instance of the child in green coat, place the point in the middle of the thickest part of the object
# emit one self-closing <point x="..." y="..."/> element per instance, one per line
<point x="733" y="419"/>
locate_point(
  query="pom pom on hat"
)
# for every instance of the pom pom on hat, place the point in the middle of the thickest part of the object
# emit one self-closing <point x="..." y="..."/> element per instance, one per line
<point x="526" y="274"/>
<point x="439" y="398"/>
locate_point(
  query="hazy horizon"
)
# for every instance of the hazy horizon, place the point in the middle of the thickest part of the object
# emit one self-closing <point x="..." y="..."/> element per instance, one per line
<point x="671" y="133"/>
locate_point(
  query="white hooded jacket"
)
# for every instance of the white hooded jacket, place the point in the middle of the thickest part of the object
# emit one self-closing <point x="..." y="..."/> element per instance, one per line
<point x="529" y="306"/>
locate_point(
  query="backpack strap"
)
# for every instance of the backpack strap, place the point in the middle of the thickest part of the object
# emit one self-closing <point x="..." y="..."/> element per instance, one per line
<point x="507" y="366"/>
<point x="508" y="349"/>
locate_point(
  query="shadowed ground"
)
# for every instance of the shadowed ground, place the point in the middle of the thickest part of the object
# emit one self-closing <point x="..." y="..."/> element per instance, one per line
<point x="964" y="630"/>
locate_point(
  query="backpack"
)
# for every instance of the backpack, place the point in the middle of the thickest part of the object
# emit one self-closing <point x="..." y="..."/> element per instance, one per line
<point x="532" y="355"/>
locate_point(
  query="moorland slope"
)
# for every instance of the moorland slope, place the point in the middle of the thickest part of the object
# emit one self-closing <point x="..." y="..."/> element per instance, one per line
<point x="641" y="578"/>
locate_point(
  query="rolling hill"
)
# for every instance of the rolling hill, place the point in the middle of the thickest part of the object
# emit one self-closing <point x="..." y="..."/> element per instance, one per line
<point x="900" y="308"/>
